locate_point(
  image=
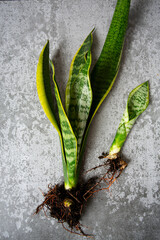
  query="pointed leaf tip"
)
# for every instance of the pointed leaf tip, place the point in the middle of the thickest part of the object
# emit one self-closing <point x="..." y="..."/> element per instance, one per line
<point x="78" y="90"/>
<point x="137" y="103"/>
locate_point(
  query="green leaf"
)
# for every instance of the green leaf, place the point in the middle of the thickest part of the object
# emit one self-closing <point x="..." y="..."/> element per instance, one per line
<point x="78" y="90"/>
<point x="69" y="139"/>
<point x="44" y="87"/>
<point x="105" y="71"/>
<point x="137" y="103"/>
<point x="46" y="100"/>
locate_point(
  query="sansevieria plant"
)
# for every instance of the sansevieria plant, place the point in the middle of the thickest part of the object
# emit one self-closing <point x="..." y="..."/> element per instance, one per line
<point x="137" y="103"/>
<point x="85" y="93"/>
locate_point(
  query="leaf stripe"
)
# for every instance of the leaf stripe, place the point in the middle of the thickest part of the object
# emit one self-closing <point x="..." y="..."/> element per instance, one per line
<point x="45" y="98"/>
<point x="69" y="139"/>
<point x="106" y="69"/>
<point x="138" y="101"/>
<point x="78" y="90"/>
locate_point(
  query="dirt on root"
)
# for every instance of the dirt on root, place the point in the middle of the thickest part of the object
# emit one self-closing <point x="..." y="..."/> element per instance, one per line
<point x="67" y="206"/>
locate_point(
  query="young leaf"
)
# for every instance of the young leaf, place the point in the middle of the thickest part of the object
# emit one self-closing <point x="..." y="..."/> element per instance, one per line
<point x="137" y="103"/>
<point x="105" y="71"/>
<point x="69" y="139"/>
<point x="78" y="90"/>
<point x="45" y="98"/>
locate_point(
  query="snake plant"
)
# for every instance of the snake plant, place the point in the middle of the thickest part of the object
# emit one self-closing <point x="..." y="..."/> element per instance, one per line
<point x="137" y="103"/>
<point x="84" y="92"/>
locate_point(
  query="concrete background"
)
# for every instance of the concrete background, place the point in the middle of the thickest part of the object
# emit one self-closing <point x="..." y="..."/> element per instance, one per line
<point x="30" y="149"/>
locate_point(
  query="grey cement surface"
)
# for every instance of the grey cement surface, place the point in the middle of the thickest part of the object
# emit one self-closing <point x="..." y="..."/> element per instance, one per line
<point x="30" y="149"/>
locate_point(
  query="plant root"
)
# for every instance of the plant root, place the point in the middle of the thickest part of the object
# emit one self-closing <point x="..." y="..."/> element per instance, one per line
<point x="67" y="205"/>
<point x="115" y="166"/>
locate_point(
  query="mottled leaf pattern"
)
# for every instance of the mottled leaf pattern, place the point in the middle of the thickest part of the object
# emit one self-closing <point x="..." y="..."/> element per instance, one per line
<point x="138" y="101"/>
<point x="106" y="68"/>
<point x="80" y="110"/>
<point x="69" y="139"/>
<point x="78" y="90"/>
<point x="105" y="71"/>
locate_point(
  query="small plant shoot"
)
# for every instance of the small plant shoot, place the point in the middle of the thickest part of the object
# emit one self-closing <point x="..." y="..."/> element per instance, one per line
<point x="137" y="103"/>
<point x="84" y="94"/>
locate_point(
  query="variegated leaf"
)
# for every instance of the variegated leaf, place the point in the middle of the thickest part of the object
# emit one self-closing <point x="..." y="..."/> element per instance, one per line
<point x="138" y="101"/>
<point x="78" y="90"/>
<point x="46" y="100"/>
<point x="69" y="139"/>
<point x="105" y="71"/>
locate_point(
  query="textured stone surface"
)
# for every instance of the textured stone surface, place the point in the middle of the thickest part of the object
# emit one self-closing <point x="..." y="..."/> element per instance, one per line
<point x="30" y="150"/>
